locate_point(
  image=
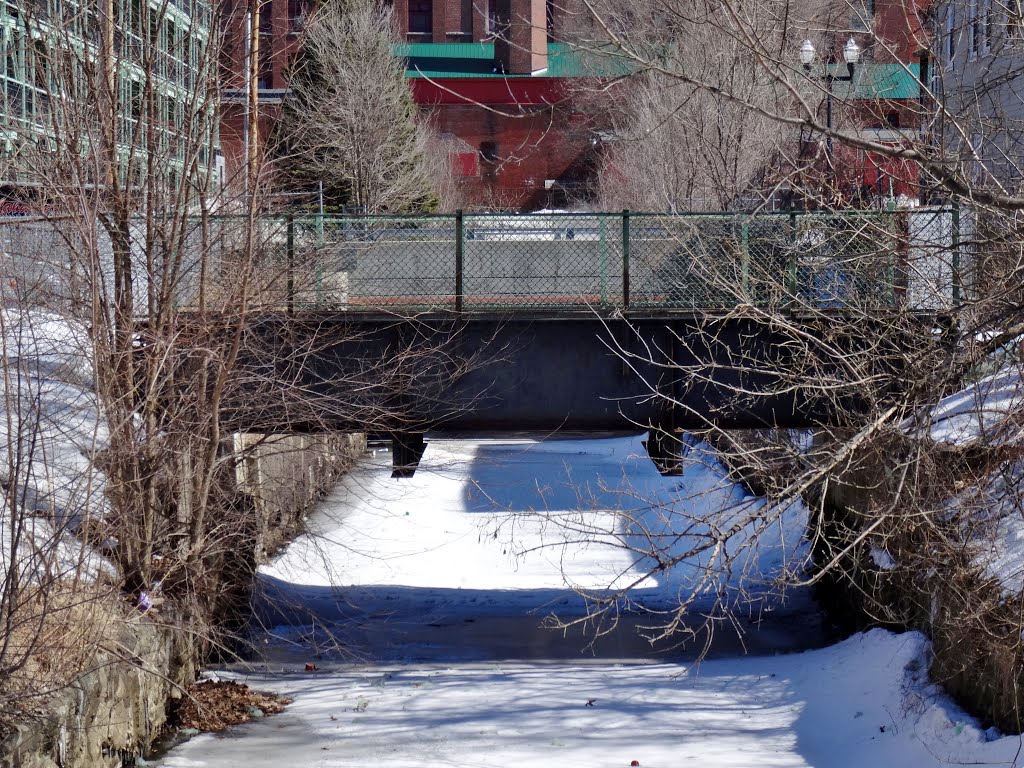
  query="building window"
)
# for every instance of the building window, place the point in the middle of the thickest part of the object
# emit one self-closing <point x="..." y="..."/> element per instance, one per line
<point x="421" y="17"/>
<point x="296" y="16"/>
<point x="950" y="40"/>
<point x="862" y="16"/>
<point x="266" y="18"/>
<point x="265" y="76"/>
<point x="975" y="166"/>
<point x="973" y="29"/>
<point x="467" y="19"/>
<point x="489" y="151"/>
<point x="492" y="20"/>
<point x="135" y="98"/>
<point x="985" y="19"/>
<point x="489" y="159"/>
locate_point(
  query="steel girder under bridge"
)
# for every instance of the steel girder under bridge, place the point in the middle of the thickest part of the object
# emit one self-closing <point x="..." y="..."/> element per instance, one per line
<point x="578" y="322"/>
<point x="447" y="373"/>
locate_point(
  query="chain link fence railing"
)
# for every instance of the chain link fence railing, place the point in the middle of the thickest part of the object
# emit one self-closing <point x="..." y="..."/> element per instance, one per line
<point x="490" y="262"/>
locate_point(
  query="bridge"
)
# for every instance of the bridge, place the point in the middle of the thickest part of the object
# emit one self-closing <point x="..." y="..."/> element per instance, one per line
<point x="586" y="322"/>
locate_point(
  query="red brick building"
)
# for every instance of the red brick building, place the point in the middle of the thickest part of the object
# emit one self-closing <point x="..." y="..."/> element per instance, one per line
<point x="504" y="105"/>
<point x="273" y="36"/>
<point x="522" y="141"/>
<point x="511" y="105"/>
<point x="887" y="97"/>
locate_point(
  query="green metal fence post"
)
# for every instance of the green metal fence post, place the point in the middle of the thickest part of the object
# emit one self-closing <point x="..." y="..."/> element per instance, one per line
<point x="290" y="253"/>
<point x="459" y="259"/>
<point x="602" y="257"/>
<point x="792" y="266"/>
<point x="320" y="218"/>
<point x="625" y="259"/>
<point x="745" y="258"/>
<point x="955" y="277"/>
<point x="901" y="244"/>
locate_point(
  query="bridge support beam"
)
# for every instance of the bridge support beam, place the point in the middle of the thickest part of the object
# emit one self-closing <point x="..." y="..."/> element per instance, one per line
<point x="547" y="373"/>
<point x="666" y="449"/>
<point x="406" y="451"/>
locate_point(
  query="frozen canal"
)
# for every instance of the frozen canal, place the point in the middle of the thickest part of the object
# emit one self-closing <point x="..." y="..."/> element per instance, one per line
<point x="420" y="602"/>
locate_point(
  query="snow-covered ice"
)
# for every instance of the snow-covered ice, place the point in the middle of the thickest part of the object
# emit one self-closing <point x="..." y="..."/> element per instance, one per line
<point x="859" y="703"/>
<point x="505" y="526"/>
<point x="409" y="550"/>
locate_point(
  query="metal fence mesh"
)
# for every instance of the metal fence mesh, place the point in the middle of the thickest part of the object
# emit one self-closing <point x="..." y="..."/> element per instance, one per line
<point x="542" y="261"/>
<point x="488" y="262"/>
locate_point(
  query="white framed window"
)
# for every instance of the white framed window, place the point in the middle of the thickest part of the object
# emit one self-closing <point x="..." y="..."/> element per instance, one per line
<point x="975" y="166"/>
<point x="973" y="30"/>
<point x="949" y="42"/>
<point x="986" y="26"/>
<point x="1014" y="19"/>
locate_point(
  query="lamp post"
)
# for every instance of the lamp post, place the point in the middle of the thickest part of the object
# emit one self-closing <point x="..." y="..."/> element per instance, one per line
<point x="851" y="55"/>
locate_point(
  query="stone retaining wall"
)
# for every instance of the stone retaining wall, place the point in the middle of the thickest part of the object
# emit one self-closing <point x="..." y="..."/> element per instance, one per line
<point x="283" y="476"/>
<point x="119" y="705"/>
<point x="115" y="709"/>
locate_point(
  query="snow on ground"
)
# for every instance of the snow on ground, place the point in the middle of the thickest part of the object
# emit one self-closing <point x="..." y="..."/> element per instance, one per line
<point x="516" y="526"/>
<point x="992" y="523"/>
<point x="49" y="430"/>
<point x="987" y="413"/>
<point x="984" y="411"/>
<point x="860" y="703"/>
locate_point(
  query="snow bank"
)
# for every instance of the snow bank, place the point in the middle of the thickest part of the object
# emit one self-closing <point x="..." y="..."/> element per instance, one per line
<point x="863" y="702"/>
<point x="992" y="523"/>
<point x="986" y="412"/>
<point x="49" y="433"/>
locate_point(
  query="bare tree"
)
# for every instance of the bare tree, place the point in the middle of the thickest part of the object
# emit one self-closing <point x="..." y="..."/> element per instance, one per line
<point x="53" y="585"/>
<point x="118" y="159"/>
<point x="678" y="148"/>
<point x="350" y="121"/>
<point x="896" y="509"/>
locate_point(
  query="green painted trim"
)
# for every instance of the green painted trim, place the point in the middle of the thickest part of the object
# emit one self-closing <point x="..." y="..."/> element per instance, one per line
<point x="476" y="60"/>
<point x="892" y="81"/>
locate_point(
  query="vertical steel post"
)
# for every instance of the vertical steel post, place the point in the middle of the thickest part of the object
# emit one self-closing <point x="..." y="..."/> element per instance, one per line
<point x="290" y="247"/>
<point x="792" y="263"/>
<point x="745" y="258"/>
<point x="625" y="259"/>
<point x="459" y="258"/>
<point x="955" y="277"/>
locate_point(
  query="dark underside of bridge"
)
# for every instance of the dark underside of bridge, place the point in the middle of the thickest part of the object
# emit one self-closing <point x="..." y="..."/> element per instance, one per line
<point x="445" y="373"/>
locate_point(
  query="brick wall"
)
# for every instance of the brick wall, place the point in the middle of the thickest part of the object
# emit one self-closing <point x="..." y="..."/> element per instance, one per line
<point x="899" y="23"/>
<point x="549" y="143"/>
<point x="457" y="21"/>
<point x="279" y="26"/>
<point x="517" y="155"/>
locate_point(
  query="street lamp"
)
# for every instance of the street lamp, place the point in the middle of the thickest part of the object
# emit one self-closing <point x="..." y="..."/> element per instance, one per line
<point x="851" y="55"/>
